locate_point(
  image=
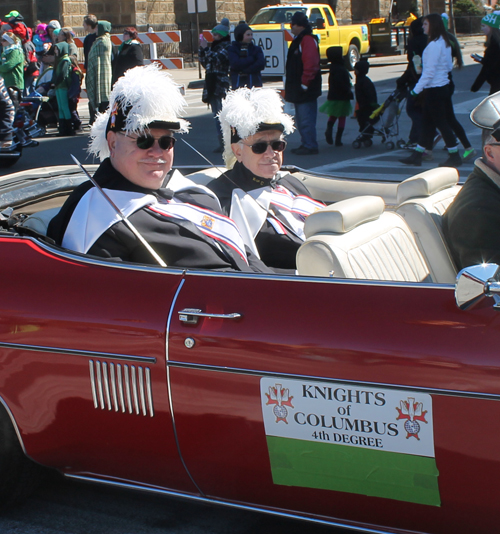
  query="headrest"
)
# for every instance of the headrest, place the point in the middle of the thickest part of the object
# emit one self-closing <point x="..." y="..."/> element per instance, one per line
<point x="345" y="215"/>
<point x="427" y="183"/>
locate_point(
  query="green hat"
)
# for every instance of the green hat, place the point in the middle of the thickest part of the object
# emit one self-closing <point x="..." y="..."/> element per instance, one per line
<point x="492" y="20"/>
<point x="13" y="15"/>
<point x="222" y="28"/>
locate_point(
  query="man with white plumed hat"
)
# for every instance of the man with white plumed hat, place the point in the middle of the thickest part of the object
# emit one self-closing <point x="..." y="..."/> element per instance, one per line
<point x="135" y="143"/>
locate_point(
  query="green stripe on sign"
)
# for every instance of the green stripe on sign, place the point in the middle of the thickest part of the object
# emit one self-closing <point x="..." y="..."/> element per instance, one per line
<point x="310" y="464"/>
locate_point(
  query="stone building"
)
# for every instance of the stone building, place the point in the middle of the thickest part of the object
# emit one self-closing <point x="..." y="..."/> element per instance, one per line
<point x="165" y="14"/>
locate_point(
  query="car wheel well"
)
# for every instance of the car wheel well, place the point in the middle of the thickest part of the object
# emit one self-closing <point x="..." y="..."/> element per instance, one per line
<point x="19" y="475"/>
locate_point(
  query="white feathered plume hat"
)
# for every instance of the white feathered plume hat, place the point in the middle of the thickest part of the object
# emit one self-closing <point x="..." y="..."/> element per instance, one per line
<point x="248" y="111"/>
<point x="145" y="97"/>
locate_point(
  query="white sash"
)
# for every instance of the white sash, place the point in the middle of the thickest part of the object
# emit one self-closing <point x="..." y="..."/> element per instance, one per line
<point x="250" y="211"/>
<point x="93" y="216"/>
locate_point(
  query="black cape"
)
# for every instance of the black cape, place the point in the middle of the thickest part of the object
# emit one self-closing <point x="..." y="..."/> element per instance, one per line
<point x="178" y="242"/>
<point x="276" y="250"/>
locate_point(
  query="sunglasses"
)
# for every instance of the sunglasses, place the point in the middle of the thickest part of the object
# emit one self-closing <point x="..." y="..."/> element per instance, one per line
<point x="146" y="141"/>
<point x="261" y="146"/>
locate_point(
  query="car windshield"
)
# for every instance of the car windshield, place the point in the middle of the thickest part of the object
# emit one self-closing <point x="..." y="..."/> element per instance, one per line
<point x="276" y="15"/>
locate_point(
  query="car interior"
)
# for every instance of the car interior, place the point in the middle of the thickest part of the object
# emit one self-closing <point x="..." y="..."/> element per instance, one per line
<point x="368" y="230"/>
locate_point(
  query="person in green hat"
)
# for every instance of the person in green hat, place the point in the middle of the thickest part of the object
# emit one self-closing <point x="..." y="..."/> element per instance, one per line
<point x="490" y="71"/>
<point x="12" y="61"/>
<point x="62" y="81"/>
<point x="99" y="71"/>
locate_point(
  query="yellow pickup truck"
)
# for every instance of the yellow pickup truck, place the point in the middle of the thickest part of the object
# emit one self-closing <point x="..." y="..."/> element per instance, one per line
<point x="353" y="38"/>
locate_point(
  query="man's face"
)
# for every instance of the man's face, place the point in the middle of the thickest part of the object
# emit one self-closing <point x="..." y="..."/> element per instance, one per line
<point x="145" y="168"/>
<point x="265" y="165"/>
<point x="492" y="156"/>
<point x="296" y="29"/>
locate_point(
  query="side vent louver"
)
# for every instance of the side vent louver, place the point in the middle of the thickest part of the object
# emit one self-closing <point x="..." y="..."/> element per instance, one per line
<point x="125" y="388"/>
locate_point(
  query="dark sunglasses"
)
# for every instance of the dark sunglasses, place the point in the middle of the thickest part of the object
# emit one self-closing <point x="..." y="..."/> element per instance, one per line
<point x="261" y="146"/>
<point x="146" y="141"/>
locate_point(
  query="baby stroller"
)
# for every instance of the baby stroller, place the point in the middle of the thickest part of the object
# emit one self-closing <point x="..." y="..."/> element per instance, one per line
<point x="388" y="127"/>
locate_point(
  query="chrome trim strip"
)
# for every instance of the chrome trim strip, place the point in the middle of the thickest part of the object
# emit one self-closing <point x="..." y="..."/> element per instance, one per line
<point x="430" y="391"/>
<point x="72" y="352"/>
<point x="99" y="384"/>
<point x="169" y="386"/>
<point x="92" y="384"/>
<point x="141" y="391"/>
<point x="207" y="500"/>
<point x="120" y="387"/>
<point x="149" y="391"/>
<point x="134" y="388"/>
<point x="113" y="386"/>
<point x="106" y="384"/>
<point x="127" y="389"/>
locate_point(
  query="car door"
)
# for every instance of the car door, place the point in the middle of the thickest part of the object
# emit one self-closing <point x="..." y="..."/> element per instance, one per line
<point x="371" y="403"/>
<point x="82" y="363"/>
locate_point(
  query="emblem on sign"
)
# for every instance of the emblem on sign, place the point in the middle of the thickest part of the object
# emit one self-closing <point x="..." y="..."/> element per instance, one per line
<point x="279" y="398"/>
<point x="413" y="412"/>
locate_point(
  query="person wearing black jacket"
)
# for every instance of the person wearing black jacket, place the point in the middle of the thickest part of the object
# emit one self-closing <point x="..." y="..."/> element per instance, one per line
<point x="268" y="206"/>
<point x="415" y="48"/>
<point x="303" y="82"/>
<point x="129" y="54"/>
<point x="490" y="70"/>
<point x="245" y="58"/>
<point x="366" y="98"/>
<point x="135" y="144"/>
<point x="338" y="102"/>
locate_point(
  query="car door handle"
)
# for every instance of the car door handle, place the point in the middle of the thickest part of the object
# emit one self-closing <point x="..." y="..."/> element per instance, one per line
<point x="191" y="315"/>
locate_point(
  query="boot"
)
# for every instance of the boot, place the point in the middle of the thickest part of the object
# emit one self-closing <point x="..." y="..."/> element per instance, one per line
<point x="414" y="159"/>
<point x="338" y="137"/>
<point x="454" y="160"/>
<point x="329" y="133"/>
<point x="69" y="127"/>
<point x="61" y="128"/>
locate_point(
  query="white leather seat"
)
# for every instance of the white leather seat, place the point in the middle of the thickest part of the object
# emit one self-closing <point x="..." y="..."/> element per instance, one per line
<point x="356" y="238"/>
<point x="422" y="200"/>
<point x="40" y="221"/>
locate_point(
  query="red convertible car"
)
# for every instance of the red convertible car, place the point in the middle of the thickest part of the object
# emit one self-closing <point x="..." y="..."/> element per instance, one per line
<point x="363" y="392"/>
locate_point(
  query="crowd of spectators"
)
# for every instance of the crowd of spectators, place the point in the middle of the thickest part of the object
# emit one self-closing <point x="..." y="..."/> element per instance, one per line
<point x="45" y="61"/>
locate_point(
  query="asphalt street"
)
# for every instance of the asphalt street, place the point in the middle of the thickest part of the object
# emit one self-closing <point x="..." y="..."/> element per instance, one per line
<point x="376" y="162"/>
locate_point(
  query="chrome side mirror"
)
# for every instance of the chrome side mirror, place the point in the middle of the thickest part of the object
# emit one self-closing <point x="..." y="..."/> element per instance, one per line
<point x="477" y="282"/>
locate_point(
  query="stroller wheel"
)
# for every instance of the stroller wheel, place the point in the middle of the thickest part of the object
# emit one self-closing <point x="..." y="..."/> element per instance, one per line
<point x="367" y="143"/>
<point x="401" y="144"/>
<point x="356" y="144"/>
<point x="389" y="145"/>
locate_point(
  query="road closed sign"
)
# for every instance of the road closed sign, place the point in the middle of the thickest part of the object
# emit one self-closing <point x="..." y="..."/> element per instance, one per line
<point x="275" y="49"/>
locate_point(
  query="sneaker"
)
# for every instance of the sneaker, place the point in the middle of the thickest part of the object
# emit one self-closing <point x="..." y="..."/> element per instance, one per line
<point x="427" y="156"/>
<point x="303" y="151"/>
<point x="469" y="154"/>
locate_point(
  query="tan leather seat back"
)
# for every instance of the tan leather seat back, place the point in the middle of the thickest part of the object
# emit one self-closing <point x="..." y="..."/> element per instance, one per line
<point x="355" y="238"/>
<point x="423" y="200"/>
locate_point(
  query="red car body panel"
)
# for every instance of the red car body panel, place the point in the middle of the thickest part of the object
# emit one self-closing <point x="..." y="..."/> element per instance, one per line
<point x="408" y="337"/>
<point x="85" y="307"/>
<point x="363" y="333"/>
